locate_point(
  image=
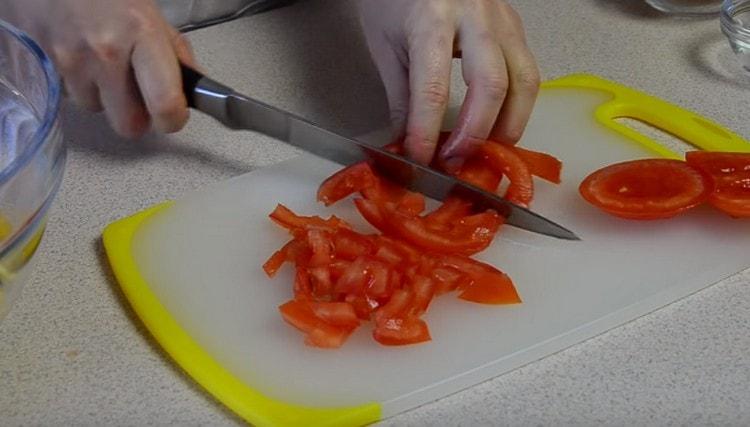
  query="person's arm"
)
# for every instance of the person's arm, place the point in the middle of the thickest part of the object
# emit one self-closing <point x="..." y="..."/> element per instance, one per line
<point x="120" y="56"/>
<point x="413" y="43"/>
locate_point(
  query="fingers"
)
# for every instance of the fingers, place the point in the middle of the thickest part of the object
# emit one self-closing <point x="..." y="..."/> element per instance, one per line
<point x="524" y="86"/>
<point x="484" y="71"/>
<point x="78" y="83"/>
<point x="157" y="72"/>
<point x="395" y="77"/>
<point x="430" y="55"/>
<point x="118" y="90"/>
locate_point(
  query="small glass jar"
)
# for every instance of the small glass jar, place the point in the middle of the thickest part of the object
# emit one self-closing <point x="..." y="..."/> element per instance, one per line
<point x="687" y="7"/>
<point x="735" y="24"/>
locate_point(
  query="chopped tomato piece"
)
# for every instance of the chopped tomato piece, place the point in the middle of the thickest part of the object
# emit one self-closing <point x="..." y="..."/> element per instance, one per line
<point x="320" y="244"/>
<point x="490" y="288"/>
<point x="395" y="307"/>
<point x="336" y="313"/>
<point x="353" y="279"/>
<point x="326" y="336"/>
<point x="452" y="209"/>
<point x="730" y="173"/>
<point x="371" y="212"/>
<point x="350" y="245"/>
<point x="300" y="315"/>
<point x="646" y="189"/>
<point x="424" y="291"/>
<point x="504" y="159"/>
<point x="320" y="333"/>
<point x="540" y="164"/>
<point x="349" y="180"/>
<point x="410" y="330"/>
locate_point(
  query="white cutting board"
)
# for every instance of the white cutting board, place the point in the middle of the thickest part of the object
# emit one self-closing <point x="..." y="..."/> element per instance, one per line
<point x="202" y="259"/>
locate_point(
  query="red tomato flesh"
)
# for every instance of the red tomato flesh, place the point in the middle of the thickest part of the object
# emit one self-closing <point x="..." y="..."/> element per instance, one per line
<point x="730" y="173"/>
<point x="646" y="189"/>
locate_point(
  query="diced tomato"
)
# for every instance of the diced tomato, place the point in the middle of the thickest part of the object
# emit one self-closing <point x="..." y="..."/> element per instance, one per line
<point x="353" y="279"/>
<point x="730" y="173"/>
<point x="350" y="245"/>
<point x="446" y="279"/>
<point x="505" y="160"/>
<point x="378" y="285"/>
<point x="300" y="315"/>
<point x="490" y="288"/>
<point x="540" y="164"/>
<point x="402" y="331"/>
<point x="347" y="181"/>
<point x="302" y="286"/>
<point x="362" y="305"/>
<point x="320" y="278"/>
<point x="326" y="336"/>
<point x="424" y="290"/>
<point x="336" y="313"/>
<point x="646" y="189"/>
<point x="320" y="244"/>
<point x="396" y="307"/>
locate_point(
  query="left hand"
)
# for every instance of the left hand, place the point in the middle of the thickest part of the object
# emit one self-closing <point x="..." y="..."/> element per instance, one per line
<point x="413" y="43"/>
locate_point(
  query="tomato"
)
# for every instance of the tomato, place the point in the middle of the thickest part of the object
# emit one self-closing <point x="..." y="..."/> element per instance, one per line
<point x="464" y="238"/>
<point x="350" y="245"/>
<point x="730" y="173"/>
<point x="503" y="159"/>
<point x="540" y="164"/>
<point x="646" y="189"/>
<point x="452" y="209"/>
<point x="291" y="221"/>
<point x="320" y="333"/>
<point x="410" y="330"/>
<point x="349" y="180"/>
<point x="477" y="172"/>
<point x="335" y="313"/>
<point x="274" y="263"/>
<point x="490" y="288"/>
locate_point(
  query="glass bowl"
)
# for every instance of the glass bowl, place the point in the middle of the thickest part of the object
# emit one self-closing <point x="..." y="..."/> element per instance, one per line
<point x="735" y="24"/>
<point x="687" y="7"/>
<point x="32" y="155"/>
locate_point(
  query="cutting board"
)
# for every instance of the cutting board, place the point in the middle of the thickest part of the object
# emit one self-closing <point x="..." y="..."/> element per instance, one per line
<point x="192" y="271"/>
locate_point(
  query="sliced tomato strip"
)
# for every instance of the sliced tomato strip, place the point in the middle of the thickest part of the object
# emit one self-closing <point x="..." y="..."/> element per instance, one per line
<point x="505" y="160"/>
<point x="336" y="313"/>
<point x="345" y="182"/>
<point x="646" y="189"/>
<point x="540" y="164"/>
<point x="291" y="221"/>
<point x="730" y="173"/>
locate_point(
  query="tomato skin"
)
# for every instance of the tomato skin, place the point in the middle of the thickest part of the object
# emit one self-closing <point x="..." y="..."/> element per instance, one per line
<point x="730" y="174"/>
<point x="646" y="189"/>
<point x="336" y="313"/>
<point x="291" y="221"/>
<point x="462" y="238"/>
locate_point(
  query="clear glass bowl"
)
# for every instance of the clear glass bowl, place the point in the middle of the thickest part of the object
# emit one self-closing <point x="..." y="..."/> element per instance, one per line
<point x="735" y="24"/>
<point x="32" y="155"/>
<point x="687" y="7"/>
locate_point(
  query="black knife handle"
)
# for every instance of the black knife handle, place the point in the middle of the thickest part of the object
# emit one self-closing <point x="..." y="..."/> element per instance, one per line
<point x="190" y="79"/>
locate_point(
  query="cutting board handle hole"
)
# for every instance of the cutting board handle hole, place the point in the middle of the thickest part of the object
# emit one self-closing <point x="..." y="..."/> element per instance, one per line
<point x="667" y="139"/>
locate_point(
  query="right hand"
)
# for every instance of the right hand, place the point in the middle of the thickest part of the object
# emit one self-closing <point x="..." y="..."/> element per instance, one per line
<point x="120" y="56"/>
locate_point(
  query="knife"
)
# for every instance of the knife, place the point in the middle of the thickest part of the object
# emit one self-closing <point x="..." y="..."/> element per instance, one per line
<point x="238" y="111"/>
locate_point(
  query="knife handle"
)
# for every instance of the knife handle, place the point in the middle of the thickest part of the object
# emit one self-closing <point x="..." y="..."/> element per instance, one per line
<point x="190" y="79"/>
<point x="206" y="95"/>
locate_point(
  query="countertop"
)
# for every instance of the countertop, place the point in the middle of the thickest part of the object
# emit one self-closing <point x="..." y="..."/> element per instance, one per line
<point x="73" y="353"/>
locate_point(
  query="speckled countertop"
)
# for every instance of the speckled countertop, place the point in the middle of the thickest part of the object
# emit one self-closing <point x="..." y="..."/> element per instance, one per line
<point x="72" y="352"/>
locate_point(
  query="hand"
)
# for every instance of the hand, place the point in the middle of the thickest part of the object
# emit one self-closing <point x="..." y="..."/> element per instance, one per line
<point x="117" y="55"/>
<point x="413" y="43"/>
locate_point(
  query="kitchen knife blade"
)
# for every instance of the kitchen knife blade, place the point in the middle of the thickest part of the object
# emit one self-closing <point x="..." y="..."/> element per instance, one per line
<point x="238" y="111"/>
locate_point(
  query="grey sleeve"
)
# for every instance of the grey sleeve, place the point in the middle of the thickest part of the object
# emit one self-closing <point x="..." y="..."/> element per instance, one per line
<point x="190" y="14"/>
